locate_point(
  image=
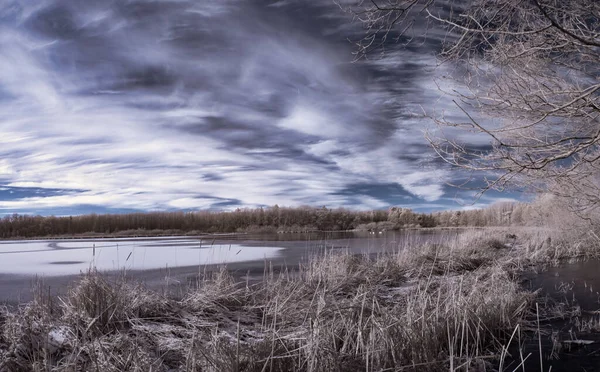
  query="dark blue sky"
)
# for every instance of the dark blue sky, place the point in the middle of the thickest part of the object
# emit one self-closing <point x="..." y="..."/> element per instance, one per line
<point x="109" y="106"/>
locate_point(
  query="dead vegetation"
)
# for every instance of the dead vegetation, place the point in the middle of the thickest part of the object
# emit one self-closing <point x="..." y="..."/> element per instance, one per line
<point x="434" y="307"/>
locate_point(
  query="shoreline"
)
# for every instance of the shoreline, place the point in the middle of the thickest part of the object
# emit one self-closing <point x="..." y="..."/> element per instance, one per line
<point x="17" y="287"/>
<point x="182" y="234"/>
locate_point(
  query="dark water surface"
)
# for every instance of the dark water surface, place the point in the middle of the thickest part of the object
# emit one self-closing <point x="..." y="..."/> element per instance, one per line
<point x="572" y="290"/>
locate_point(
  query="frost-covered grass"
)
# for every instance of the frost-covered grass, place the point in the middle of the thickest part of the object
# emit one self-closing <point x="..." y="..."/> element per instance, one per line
<point x="449" y="306"/>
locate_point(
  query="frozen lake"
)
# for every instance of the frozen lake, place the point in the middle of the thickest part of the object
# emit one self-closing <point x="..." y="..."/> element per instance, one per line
<point x="69" y="257"/>
<point x="172" y="263"/>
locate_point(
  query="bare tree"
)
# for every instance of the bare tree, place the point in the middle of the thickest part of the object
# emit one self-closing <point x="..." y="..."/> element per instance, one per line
<point x="526" y="75"/>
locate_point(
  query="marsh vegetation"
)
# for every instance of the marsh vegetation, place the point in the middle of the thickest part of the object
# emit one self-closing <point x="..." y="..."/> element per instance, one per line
<point x="458" y="305"/>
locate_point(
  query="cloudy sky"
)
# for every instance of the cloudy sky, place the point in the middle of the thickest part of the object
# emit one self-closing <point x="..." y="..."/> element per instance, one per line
<point x="129" y="105"/>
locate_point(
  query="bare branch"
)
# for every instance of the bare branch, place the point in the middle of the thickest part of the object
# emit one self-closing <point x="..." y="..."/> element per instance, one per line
<point x="526" y="77"/>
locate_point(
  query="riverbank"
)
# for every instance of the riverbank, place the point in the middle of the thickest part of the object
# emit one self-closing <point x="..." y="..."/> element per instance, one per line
<point x="433" y="306"/>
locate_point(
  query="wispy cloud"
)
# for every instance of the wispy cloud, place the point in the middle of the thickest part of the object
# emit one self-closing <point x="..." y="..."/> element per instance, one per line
<point x="188" y="105"/>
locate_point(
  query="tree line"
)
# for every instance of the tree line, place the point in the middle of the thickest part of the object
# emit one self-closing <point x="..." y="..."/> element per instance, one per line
<point x="271" y="219"/>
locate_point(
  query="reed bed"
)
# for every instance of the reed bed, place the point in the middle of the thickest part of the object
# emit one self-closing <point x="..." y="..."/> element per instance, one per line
<point x="427" y="307"/>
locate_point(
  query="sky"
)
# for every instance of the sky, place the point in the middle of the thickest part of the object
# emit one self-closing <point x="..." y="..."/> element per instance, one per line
<point x="138" y="105"/>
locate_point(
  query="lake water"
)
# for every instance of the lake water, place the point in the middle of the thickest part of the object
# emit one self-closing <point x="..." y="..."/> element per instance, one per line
<point x="574" y="289"/>
<point x="174" y="263"/>
<point x="73" y="256"/>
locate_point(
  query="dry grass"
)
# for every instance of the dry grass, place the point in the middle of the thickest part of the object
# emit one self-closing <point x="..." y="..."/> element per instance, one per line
<point x="432" y="307"/>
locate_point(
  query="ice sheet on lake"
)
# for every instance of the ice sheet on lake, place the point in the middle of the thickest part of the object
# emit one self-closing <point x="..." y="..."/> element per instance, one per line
<point x="16" y="247"/>
<point x="91" y="244"/>
<point x="73" y="257"/>
<point x="125" y="243"/>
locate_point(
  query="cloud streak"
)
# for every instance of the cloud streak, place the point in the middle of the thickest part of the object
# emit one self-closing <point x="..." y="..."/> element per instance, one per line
<point x="146" y="105"/>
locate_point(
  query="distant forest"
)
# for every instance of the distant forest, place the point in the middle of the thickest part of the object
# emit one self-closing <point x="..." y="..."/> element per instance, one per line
<point x="271" y="219"/>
